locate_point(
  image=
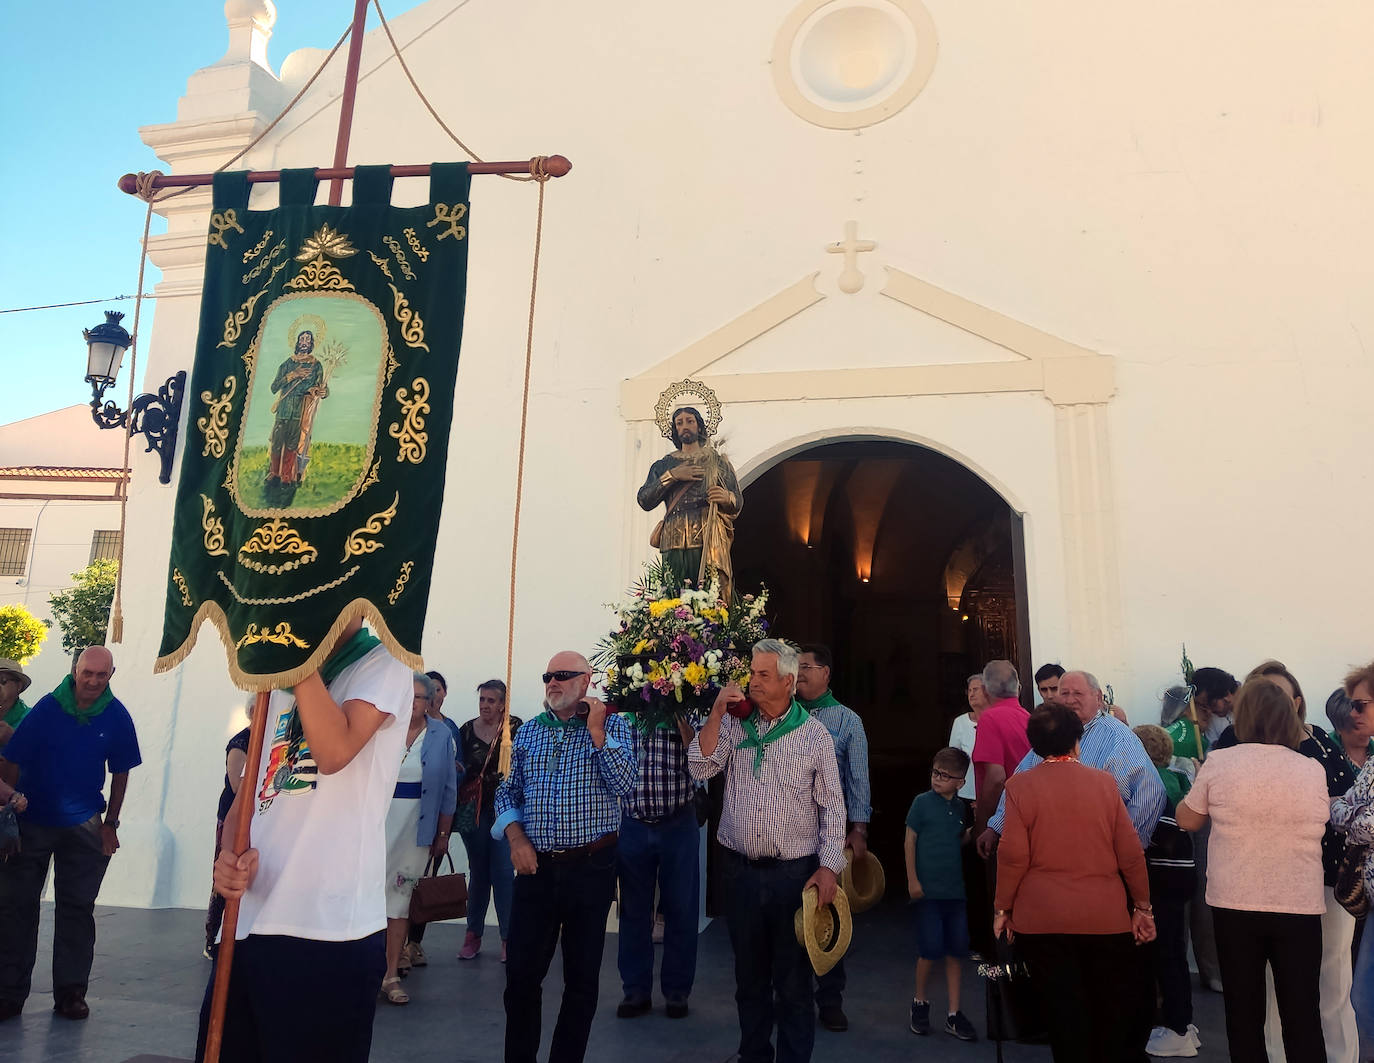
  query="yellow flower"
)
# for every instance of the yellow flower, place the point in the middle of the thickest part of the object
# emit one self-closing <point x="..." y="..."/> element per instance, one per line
<point x="667" y="605"/>
<point x="641" y="646"/>
<point x="694" y="673"/>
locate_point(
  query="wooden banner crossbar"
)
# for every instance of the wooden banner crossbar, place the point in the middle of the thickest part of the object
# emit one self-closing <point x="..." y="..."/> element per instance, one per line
<point x="550" y="165"/>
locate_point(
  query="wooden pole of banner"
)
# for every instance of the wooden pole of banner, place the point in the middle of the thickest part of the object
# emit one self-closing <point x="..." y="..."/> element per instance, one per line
<point x="549" y="165"/>
<point x="224" y="958"/>
<point x="350" y="95"/>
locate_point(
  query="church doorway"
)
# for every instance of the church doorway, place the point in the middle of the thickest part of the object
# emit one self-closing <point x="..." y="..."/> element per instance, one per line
<point x="912" y="569"/>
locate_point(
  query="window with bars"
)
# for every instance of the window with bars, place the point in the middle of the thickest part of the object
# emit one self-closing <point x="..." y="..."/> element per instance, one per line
<point x="14" y="550"/>
<point x="105" y="546"/>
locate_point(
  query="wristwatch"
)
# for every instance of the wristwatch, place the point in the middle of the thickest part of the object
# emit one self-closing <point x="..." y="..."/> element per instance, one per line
<point x="113" y="824"/>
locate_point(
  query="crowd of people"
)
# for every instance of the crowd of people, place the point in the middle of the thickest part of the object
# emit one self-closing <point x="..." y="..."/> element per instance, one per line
<point x="1100" y="856"/>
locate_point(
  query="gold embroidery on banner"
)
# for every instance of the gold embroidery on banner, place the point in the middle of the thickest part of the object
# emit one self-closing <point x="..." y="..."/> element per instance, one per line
<point x="382" y="264"/>
<point x="295" y="597"/>
<point x="278" y="249"/>
<point x="401" y="259"/>
<point x="319" y="272"/>
<point x="276" y="537"/>
<point x="358" y="543"/>
<point x="392" y="364"/>
<point x="231" y="477"/>
<point x="421" y="251"/>
<point x="215" y="423"/>
<point x="213" y="528"/>
<point x="373" y="476"/>
<point x="275" y="270"/>
<point x="401" y="582"/>
<point x="411" y="434"/>
<point x="451" y="218"/>
<point x="255" y="252"/>
<point x="233" y="324"/>
<point x="283" y="636"/>
<point x="412" y="325"/>
<point x="251" y="355"/>
<point x="186" y="591"/>
<point x="223" y="223"/>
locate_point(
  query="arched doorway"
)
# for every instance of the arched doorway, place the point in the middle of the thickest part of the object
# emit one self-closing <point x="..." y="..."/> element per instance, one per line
<point x="912" y="569"/>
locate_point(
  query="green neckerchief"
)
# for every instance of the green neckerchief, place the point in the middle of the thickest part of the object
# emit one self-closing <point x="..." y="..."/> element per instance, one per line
<point x="793" y="718"/>
<point x="824" y="701"/>
<point x="17" y="713"/>
<point x="548" y="719"/>
<point x="66" y="697"/>
<point x="642" y="725"/>
<point x="359" y="645"/>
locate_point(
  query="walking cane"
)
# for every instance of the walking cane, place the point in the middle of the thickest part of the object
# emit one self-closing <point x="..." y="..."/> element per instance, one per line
<point x="224" y="958"/>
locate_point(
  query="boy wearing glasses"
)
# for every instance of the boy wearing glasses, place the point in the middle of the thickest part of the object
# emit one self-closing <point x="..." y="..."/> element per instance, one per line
<point x="937" y="826"/>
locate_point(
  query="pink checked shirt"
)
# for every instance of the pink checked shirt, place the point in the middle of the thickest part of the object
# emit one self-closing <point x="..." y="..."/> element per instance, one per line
<point x="793" y="809"/>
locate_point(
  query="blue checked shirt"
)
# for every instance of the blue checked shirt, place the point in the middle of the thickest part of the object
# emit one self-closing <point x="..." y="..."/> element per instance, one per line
<point x="561" y="788"/>
<point x="1109" y="744"/>
<point x="665" y="786"/>
<point x="851" y="752"/>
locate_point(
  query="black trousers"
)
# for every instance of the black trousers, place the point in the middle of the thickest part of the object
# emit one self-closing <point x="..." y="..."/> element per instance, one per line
<point x="79" y="868"/>
<point x="1087" y="987"/>
<point x="294" y="999"/>
<point x="1292" y="946"/>
<point x="1174" y="982"/>
<point x="830" y="987"/>
<point x="565" y="901"/>
<point x="773" y="976"/>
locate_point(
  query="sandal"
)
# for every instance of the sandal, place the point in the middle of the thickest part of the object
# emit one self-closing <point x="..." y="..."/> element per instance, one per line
<point x="392" y="992"/>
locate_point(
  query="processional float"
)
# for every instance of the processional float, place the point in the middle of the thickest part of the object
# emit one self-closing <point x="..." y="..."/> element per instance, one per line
<point x="317" y="437"/>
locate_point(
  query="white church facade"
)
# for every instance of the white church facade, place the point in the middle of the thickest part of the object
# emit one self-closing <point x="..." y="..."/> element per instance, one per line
<point x="1039" y="328"/>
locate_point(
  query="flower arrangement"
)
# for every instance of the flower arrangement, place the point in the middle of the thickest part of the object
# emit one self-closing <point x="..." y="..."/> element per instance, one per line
<point x="674" y="648"/>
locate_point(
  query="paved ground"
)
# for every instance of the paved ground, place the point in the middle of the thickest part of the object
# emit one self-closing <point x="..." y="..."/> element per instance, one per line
<point x="149" y="978"/>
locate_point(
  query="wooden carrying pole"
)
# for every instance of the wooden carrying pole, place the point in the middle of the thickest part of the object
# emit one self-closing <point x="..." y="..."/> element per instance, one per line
<point x="355" y="57"/>
<point x="224" y="958"/>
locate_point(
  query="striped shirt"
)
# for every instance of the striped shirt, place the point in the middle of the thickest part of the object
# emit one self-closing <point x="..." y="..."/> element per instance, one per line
<point x="1109" y="744"/>
<point x="665" y="786"/>
<point x="561" y="788"/>
<point x="851" y="753"/>
<point x="795" y="808"/>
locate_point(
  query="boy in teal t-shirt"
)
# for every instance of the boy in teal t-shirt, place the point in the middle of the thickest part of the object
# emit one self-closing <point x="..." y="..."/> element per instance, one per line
<point x="936" y="828"/>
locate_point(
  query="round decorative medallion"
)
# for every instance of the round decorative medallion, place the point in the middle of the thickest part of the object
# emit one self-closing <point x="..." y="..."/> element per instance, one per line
<point x="846" y="64"/>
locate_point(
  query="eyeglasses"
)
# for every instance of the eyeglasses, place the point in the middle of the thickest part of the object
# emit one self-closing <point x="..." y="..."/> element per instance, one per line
<point x="562" y="675"/>
<point x="810" y="667"/>
<point x="1360" y="704"/>
<point x="936" y="773"/>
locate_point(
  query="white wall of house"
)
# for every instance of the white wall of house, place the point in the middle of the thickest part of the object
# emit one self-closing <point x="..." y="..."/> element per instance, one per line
<point x="1178" y="199"/>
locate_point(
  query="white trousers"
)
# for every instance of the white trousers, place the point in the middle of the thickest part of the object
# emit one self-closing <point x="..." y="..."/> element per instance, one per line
<point x="1338" y="1016"/>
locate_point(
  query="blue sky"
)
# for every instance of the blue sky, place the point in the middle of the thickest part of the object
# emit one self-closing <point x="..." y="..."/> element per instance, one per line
<point x="79" y="77"/>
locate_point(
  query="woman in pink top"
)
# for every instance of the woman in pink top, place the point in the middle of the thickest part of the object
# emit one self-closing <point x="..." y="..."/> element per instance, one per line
<point x="1268" y="808"/>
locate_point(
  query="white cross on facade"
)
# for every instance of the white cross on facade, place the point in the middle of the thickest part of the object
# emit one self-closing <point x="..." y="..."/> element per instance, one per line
<point x="851" y="279"/>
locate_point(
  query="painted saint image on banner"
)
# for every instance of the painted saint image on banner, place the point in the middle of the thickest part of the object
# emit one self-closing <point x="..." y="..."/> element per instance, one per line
<point x="309" y="428"/>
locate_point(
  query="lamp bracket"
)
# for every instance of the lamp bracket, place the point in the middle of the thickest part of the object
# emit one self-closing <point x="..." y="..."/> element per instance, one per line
<point x="156" y="416"/>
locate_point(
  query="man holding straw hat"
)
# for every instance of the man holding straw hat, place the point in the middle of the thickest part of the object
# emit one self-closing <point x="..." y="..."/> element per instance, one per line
<point x="782" y="832"/>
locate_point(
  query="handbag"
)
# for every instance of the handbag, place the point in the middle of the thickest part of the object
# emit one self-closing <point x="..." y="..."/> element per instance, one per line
<point x="1350" y="890"/>
<point x="1013" y="1006"/>
<point x="469" y="805"/>
<point x="437" y="897"/>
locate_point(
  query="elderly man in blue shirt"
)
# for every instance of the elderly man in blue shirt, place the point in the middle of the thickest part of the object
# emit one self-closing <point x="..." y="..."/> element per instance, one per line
<point x="560" y="809"/>
<point x="851" y="754"/>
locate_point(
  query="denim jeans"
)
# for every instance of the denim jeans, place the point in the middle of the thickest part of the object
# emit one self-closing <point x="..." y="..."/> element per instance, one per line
<point x="772" y="972"/>
<point x="490" y="875"/>
<point x="567" y="901"/>
<point x="79" y="868"/>
<point x="1362" y="991"/>
<point x="662" y="854"/>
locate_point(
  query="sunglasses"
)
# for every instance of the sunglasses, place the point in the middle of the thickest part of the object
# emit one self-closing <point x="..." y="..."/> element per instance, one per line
<point x="1360" y="704"/>
<point x="562" y="675"/>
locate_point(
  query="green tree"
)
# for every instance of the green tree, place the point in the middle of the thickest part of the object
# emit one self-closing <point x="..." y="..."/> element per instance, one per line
<point x="83" y="611"/>
<point x="21" y="633"/>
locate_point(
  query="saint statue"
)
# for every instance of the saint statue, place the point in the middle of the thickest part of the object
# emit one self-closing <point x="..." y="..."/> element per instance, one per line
<point x="300" y="384"/>
<point x="698" y="488"/>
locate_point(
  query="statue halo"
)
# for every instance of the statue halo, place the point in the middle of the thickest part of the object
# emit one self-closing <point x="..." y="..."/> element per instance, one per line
<point x="311" y="323"/>
<point x="687" y="393"/>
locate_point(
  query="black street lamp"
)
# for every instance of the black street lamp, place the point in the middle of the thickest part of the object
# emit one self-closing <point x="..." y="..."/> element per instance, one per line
<point x="156" y="416"/>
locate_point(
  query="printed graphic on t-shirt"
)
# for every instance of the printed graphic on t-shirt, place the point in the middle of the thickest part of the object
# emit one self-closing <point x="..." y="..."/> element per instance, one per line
<point x="290" y="768"/>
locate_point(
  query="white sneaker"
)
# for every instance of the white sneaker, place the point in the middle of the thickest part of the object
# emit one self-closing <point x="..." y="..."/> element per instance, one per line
<point x="1192" y="1036"/>
<point x="1164" y="1042"/>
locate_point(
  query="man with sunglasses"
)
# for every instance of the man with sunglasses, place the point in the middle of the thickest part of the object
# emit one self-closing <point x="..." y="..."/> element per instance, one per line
<point x="560" y="809"/>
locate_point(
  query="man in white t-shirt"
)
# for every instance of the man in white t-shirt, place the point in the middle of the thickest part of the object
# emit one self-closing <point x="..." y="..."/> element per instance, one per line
<point x="310" y="950"/>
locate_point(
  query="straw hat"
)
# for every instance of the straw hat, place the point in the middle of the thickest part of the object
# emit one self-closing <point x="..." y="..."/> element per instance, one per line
<point x="824" y="931"/>
<point x="6" y="665"/>
<point x="862" y="880"/>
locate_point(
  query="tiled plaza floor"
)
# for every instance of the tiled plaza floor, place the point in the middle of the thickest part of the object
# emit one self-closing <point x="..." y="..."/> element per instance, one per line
<point x="149" y="978"/>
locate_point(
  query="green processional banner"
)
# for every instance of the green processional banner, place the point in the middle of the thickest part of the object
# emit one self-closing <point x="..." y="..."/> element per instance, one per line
<point x="320" y="401"/>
